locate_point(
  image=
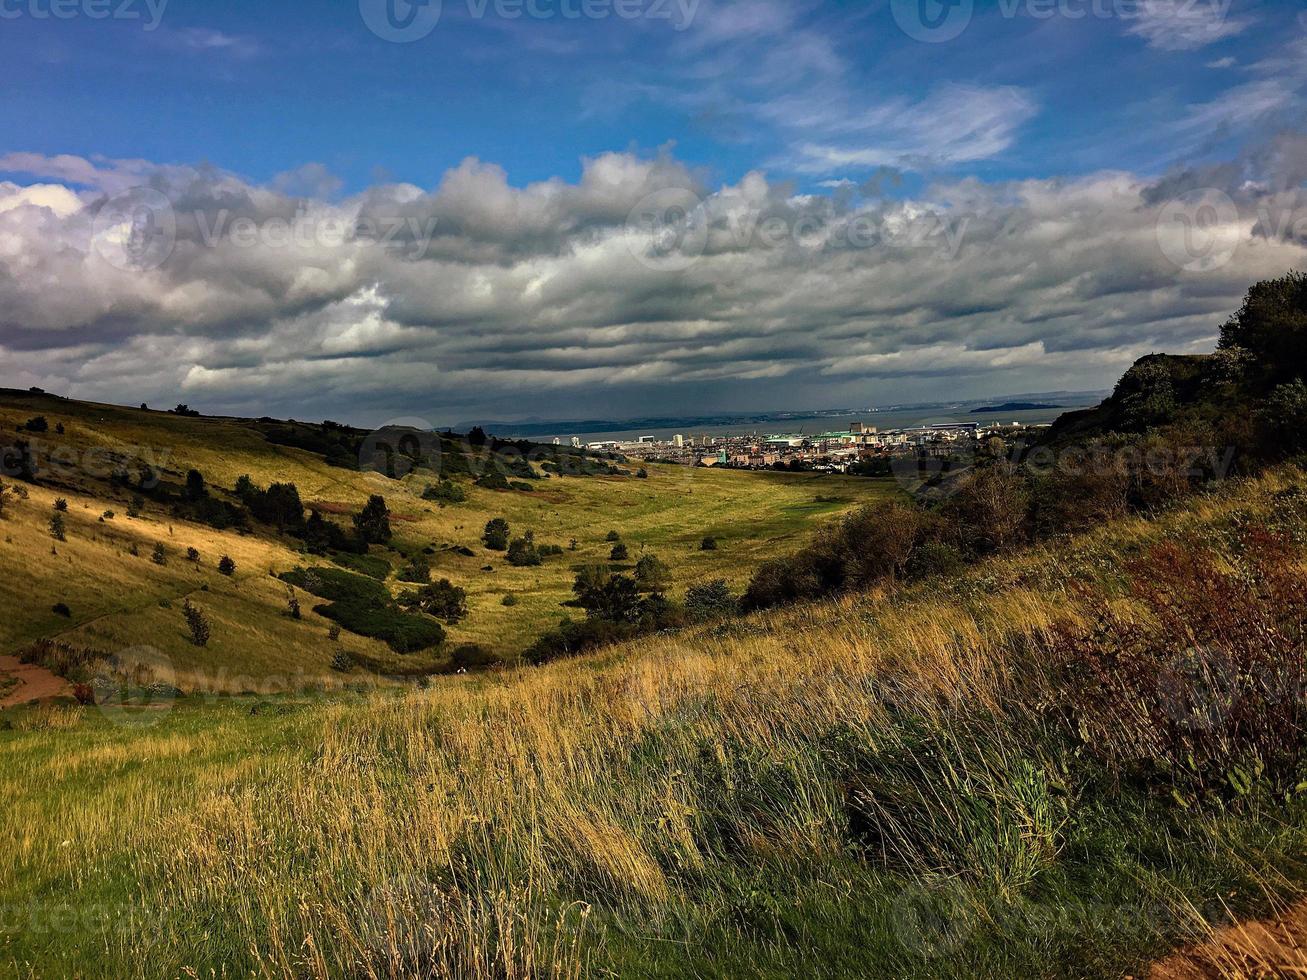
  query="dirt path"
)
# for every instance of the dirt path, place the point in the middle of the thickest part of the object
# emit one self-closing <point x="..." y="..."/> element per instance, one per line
<point x="34" y="683"/>
<point x="1269" y="948"/>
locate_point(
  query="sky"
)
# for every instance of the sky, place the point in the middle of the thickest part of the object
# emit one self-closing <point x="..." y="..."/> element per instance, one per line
<point x="369" y="209"/>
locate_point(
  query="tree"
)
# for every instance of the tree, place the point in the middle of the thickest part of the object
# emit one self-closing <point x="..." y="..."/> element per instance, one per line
<point x="442" y="599"/>
<point x="373" y="521"/>
<point x="652" y="573"/>
<point x="1284" y="417"/>
<point x="1272" y="323"/>
<point x="197" y="622"/>
<point x="195" y="488"/>
<point x="477" y="437"/>
<point x="57" y="526"/>
<point x="496" y="534"/>
<point x="522" y="551"/>
<point x="226" y="566"/>
<point x="619" y="553"/>
<point x="160" y="556"/>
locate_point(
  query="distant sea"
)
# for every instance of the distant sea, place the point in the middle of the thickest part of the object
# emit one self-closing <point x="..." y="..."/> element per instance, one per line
<point x="604" y="430"/>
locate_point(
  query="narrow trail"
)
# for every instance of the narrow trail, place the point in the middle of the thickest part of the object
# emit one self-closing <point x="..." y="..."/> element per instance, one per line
<point x="34" y="683"/>
<point x="1275" y="947"/>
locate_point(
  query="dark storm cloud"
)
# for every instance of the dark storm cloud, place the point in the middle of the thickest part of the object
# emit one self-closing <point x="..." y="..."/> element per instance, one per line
<point x="479" y="293"/>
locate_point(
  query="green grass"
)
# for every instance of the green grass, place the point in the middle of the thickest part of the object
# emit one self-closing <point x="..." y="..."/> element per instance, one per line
<point x="115" y="597"/>
<point x="862" y="787"/>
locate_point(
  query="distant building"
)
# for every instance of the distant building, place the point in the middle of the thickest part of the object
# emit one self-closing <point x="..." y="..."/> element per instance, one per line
<point x="576" y="442"/>
<point x="557" y="441"/>
<point x="678" y="441"/>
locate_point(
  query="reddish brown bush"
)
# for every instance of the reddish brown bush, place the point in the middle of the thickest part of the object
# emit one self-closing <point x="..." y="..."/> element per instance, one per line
<point x="1202" y="689"/>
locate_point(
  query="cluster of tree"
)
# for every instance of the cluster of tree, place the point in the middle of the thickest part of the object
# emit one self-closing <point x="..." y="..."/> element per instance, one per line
<point x="617" y="608"/>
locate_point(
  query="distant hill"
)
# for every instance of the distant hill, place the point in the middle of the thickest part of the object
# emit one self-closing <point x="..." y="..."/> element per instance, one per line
<point x="1012" y="407"/>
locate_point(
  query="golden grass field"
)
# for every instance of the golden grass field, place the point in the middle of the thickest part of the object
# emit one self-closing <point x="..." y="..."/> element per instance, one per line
<point x="660" y="809"/>
<point x="120" y="601"/>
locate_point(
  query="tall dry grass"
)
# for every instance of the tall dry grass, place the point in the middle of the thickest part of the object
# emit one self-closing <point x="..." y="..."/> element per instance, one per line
<point x="527" y="823"/>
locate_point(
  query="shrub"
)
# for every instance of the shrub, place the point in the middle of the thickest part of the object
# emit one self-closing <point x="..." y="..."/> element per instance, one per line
<point x="159" y="556"/>
<point x="369" y="565"/>
<point x="37" y="424"/>
<point x="711" y="600"/>
<point x="373" y="521"/>
<point x="934" y="558"/>
<point x="197" y="622"/>
<point x="337" y="584"/>
<point x="642" y="473"/>
<point x="226" y="566"/>
<point x="619" y="553"/>
<point x="135" y="506"/>
<point x="418" y="569"/>
<point x="508" y="600"/>
<point x="1204" y="696"/>
<point x="61" y="609"/>
<point x="1284" y="418"/>
<point x="494" y="480"/>
<point x="61" y="504"/>
<point x="496" y="534"/>
<point x="403" y="632"/>
<point x="333" y="633"/>
<point x="340" y="660"/>
<point x="446" y="492"/>
<point x="192" y="555"/>
<point x="708" y="544"/>
<point x="108" y="515"/>
<point x="57" y="526"/>
<point x="989" y="510"/>
<point x="612" y="536"/>
<point x="522" y="551"/>
<point x="442" y="599"/>
<point x="652" y="573"/>
<point x="471" y="657"/>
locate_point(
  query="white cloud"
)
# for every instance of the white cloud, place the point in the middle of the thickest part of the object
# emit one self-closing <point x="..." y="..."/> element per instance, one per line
<point x="1185" y="25"/>
<point x="526" y="291"/>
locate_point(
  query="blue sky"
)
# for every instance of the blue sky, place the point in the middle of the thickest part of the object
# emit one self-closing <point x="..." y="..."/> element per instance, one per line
<point x="1074" y="106"/>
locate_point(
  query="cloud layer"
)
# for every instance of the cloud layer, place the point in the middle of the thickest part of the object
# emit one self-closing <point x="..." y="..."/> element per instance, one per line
<point x="634" y="288"/>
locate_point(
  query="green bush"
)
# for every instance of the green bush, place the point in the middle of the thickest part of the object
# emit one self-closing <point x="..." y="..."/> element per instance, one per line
<point x="403" y="632"/>
<point x="711" y="600"/>
<point x="337" y="585"/>
<point x="369" y="565"/>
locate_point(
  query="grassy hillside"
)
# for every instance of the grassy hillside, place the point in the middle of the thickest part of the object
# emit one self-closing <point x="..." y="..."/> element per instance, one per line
<point x="118" y="600"/>
<point x="924" y="782"/>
